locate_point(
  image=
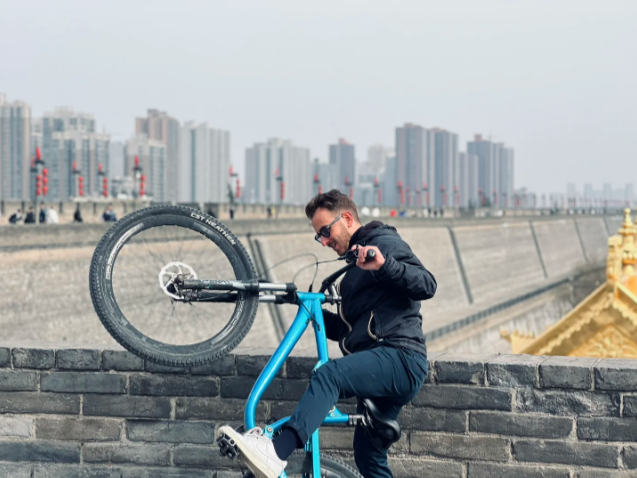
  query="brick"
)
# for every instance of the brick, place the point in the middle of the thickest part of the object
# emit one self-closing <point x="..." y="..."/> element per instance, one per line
<point x="461" y="368"/>
<point x="223" y="366"/>
<point x="33" y="358"/>
<point x="121" y="360"/>
<point x="337" y="438"/>
<point x="78" y="429"/>
<point x="567" y="372"/>
<point x="78" y="359"/>
<point x="201" y="456"/>
<point x="83" y="382"/>
<point x="495" y="470"/>
<point x="170" y="431"/>
<point x="599" y="473"/>
<point x="432" y="358"/>
<point x="630" y="406"/>
<point x="10" y="470"/>
<point x="48" y="451"/>
<point x="253" y="365"/>
<point x="607" y="429"/>
<point x="279" y="389"/>
<point x="559" y="402"/>
<point x="167" y="473"/>
<point x="25" y="402"/>
<point x="126" y="406"/>
<point x="73" y="471"/>
<point x="616" y="374"/>
<point x="567" y="453"/>
<point x="513" y="370"/>
<point x="630" y="457"/>
<point x="153" y="367"/>
<point x="18" y="381"/>
<point x="5" y="357"/>
<point x="466" y="398"/>
<point x="411" y="467"/>
<point x="174" y="385"/>
<point x="462" y="447"/>
<point x="300" y="367"/>
<point x="19" y="427"/>
<point x="129" y="453"/>
<point x="514" y="424"/>
<point x="433" y="419"/>
<point x="214" y="409"/>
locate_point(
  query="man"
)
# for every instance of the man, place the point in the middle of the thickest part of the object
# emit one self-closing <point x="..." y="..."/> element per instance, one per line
<point x="30" y="218"/>
<point x="52" y="216"/>
<point x="109" y="214"/>
<point x="16" y="217"/>
<point x="42" y="214"/>
<point x="379" y="329"/>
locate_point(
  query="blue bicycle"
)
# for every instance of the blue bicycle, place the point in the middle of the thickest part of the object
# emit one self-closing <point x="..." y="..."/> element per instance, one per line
<point x="164" y="276"/>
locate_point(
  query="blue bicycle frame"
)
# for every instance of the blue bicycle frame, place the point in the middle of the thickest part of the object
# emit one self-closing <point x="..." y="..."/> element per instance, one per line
<point x="308" y="303"/>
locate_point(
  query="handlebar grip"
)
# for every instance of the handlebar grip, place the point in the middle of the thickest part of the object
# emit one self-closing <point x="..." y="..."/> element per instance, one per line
<point x="370" y="254"/>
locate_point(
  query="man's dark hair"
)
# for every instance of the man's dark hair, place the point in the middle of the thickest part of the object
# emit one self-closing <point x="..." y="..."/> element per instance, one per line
<point x="334" y="201"/>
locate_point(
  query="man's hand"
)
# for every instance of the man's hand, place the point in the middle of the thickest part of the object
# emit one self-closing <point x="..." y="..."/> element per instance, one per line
<point x="372" y="264"/>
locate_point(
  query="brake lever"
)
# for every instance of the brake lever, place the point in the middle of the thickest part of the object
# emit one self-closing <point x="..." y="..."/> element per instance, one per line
<point x="352" y="255"/>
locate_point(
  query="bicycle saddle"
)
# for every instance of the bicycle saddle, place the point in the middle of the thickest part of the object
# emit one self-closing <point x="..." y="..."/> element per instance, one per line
<point x="381" y="430"/>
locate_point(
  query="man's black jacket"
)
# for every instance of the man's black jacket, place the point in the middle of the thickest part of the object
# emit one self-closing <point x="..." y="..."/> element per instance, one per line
<point x="384" y="305"/>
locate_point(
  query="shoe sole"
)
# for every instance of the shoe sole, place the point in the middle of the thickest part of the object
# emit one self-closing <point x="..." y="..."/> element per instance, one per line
<point x="250" y="458"/>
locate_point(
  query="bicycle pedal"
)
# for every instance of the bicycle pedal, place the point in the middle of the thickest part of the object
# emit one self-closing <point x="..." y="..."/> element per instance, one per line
<point x="227" y="447"/>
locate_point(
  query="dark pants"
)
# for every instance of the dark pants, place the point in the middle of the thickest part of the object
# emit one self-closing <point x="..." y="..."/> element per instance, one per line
<point x="390" y="376"/>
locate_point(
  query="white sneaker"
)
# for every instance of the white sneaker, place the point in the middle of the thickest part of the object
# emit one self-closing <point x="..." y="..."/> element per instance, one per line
<point x="256" y="451"/>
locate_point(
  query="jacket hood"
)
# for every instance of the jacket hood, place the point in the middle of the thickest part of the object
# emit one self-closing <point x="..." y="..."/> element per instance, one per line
<point x="369" y="230"/>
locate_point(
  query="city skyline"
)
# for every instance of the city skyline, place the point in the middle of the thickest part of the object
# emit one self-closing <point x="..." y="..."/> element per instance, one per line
<point x="563" y="97"/>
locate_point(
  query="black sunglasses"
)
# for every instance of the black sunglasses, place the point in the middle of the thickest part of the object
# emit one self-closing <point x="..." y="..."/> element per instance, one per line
<point x="325" y="230"/>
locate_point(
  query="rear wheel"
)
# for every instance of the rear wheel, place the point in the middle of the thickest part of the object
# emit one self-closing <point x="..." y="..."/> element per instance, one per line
<point x="131" y="278"/>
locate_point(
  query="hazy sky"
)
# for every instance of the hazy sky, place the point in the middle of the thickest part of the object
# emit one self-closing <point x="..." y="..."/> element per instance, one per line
<point x="556" y="80"/>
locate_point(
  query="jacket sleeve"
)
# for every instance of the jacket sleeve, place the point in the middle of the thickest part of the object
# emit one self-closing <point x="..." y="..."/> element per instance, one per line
<point x="334" y="326"/>
<point x="402" y="269"/>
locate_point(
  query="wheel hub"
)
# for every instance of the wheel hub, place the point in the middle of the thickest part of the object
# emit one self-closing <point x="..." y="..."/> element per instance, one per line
<point x="170" y="272"/>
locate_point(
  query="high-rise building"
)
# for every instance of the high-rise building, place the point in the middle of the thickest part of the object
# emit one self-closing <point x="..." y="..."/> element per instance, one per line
<point x="495" y="171"/>
<point x="117" y="153"/>
<point x="389" y="191"/>
<point x="327" y="176"/>
<point x="505" y="170"/>
<point x="159" y="126"/>
<point x="204" y="165"/>
<point x="15" y="149"/>
<point x="266" y="162"/>
<point x="468" y="179"/>
<point x="343" y="156"/>
<point x="151" y="157"/>
<point x="446" y="168"/>
<point x="377" y="157"/>
<point x="415" y="163"/>
<point x="69" y="139"/>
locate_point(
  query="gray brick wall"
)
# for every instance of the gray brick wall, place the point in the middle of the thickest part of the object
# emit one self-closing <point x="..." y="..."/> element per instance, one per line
<point x="72" y="413"/>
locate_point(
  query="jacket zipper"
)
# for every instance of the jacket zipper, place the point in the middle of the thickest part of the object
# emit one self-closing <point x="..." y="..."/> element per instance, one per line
<point x="369" y="327"/>
<point x="340" y="313"/>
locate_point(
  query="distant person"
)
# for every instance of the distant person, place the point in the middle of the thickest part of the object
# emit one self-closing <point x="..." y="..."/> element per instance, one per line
<point x="52" y="216"/>
<point x="232" y="212"/>
<point x="269" y="210"/>
<point x="77" y="215"/>
<point x="42" y="214"/>
<point x="30" y="217"/>
<point x="109" y="214"/>
<point x="16" y="217"/>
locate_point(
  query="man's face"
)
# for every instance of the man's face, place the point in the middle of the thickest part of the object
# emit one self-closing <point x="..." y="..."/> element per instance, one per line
<point x="339" y="233"/>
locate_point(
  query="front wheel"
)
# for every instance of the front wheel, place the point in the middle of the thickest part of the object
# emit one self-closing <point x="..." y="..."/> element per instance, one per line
<point x="131" y="282"/>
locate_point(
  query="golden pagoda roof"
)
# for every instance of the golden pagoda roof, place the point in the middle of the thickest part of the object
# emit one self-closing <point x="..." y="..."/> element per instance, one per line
<point x="605" y="323"/>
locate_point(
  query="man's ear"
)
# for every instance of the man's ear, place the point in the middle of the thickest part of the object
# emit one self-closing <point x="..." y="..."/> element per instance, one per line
<point x="349" y="218"/>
